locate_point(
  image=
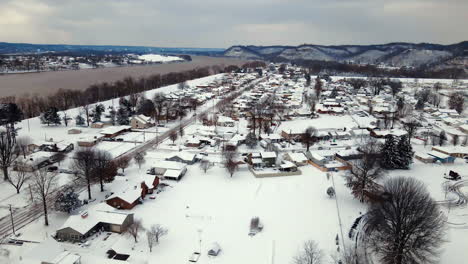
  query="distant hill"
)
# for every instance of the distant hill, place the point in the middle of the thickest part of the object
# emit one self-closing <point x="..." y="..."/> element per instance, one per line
<point x="25" y="48"/>
<point x="395" y="54"/>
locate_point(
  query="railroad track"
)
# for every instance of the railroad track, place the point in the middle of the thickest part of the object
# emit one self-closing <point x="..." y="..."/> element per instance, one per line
<point x="26" y="215"/>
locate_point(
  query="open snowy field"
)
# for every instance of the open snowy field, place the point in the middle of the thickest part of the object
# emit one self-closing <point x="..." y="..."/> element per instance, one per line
<point x="216" y="208"/>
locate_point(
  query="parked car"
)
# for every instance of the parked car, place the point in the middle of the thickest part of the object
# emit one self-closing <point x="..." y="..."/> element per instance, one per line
<point x="52" y="168"/>
<point x="214" y="250"/>
<point x="194" y="257"/>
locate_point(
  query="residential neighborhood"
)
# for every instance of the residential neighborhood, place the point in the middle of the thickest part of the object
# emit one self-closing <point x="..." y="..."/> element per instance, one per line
<point x="179" y="173"/>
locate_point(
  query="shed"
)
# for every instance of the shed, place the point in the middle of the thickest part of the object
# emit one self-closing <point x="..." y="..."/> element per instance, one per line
<point x="424" y="157"/>
<point x="74" y="131"/>
<point x="439" y="156"/>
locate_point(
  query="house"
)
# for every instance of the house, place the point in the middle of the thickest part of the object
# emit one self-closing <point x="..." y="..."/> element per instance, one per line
<point x="79" y="227"/>
<point x="35" y="161"/>
<point x="88" y="141"/>
<point x="170" y="170"/>
<point x="140" y="121"/>
<point x="316" y="158"/>
<point x="193" y="142"/>
<point x="441" y="157"/>
<point x="114" y="131"/>
<point x="128" y="198"/>
<point x="299" y="159"/>
<point x="288" y="166"/>
<point x="225" y="121"/>
<point x="268" y="158"/>
<point x="97" y="125"/>
<point x="255" y="160"/>
<point x="273" y="138"/>
<point x="183" y="157"/>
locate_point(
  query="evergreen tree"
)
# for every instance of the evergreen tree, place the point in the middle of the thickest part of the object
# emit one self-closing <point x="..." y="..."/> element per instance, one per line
<point x="10" y="113"/>
<point x="390" y="155"/>
<point x="67" y="200"/>
<point x="51" y="116"/>
<point x="79" y="120"/>
<point x="97" y="113"/>
<point x="251" y="140"/>
<point x="419" y="105"/>
<point x="122" y="116"/>
<point x="442" y="138"/>
<point x="405" y="153"/>
<point x="126" y="104"/>
<point x="112" y="114"/>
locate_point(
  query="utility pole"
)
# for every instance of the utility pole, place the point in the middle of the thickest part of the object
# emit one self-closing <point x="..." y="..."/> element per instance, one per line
<point x="12" y="222"/>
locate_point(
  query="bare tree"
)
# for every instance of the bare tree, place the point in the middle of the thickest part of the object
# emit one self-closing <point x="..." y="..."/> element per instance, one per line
<point x="407" y="226"/>
<point x="8" y="150"/>
<point x="361" y="178"/>
<point x="123" y="163"/>
<point x="457" y="102"/>
<point x="173" y="136"/>
<point x="139" y="158"/>
<point x="151" y="240"/>
<point x="308" y="136"/>
<point x="230" y="161"/>
<point x="411" y="126"/>
<point x="158" y="232"/>
<point x="205" y="165"/>
<point x="104" y="167"/>
<point x="84" y="162"/>
<point x="43" y="183"/>
<point x="18" y="178"/>
<point x="135" y="229"/>
<point x="309" y="254"/>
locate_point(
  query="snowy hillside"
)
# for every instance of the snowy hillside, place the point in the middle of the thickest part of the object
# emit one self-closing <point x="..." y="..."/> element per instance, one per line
<point x="396" y="54"/>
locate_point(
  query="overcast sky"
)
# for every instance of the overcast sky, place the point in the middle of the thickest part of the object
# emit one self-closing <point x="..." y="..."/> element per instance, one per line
<point x="221" y="23"/>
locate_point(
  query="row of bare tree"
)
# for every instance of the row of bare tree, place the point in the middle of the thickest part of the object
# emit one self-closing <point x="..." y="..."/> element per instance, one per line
<point x="34" y="105"/>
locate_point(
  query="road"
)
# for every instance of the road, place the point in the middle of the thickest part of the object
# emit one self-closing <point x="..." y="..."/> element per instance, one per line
<point x="26" y="215"/>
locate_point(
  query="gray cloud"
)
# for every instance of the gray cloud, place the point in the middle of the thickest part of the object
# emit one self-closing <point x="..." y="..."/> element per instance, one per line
<point x="217" y="23"/>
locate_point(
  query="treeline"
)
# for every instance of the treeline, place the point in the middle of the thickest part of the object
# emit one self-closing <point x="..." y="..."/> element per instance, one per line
<point x="332" y="67"/>
<point x="34" y="105"/>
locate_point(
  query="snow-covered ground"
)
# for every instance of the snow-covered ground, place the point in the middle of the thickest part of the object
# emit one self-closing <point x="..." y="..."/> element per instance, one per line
<point x="158" y="58"/>
<point x="203" y="208"/>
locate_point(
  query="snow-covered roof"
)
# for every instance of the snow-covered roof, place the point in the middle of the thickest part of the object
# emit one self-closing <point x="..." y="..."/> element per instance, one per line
<point x="438" y="154"/>
<point x="142" y="118"/>
<point x="297" y="157"/>
<point x="84" y="224"/>
<point x="172" y="173"/>
<point x="171" y="165"/>
<point x="271" y="136"/>
<point x="114" y="129"/>
<point x="268" y="155"/>
<point x="316" y="156"/>
<point x="224" y="119"/>
<point x="453" y="149"/>
<point x="287" y="164"/>
<point x="129" y="195"/>
<point x="186" y="156"/>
